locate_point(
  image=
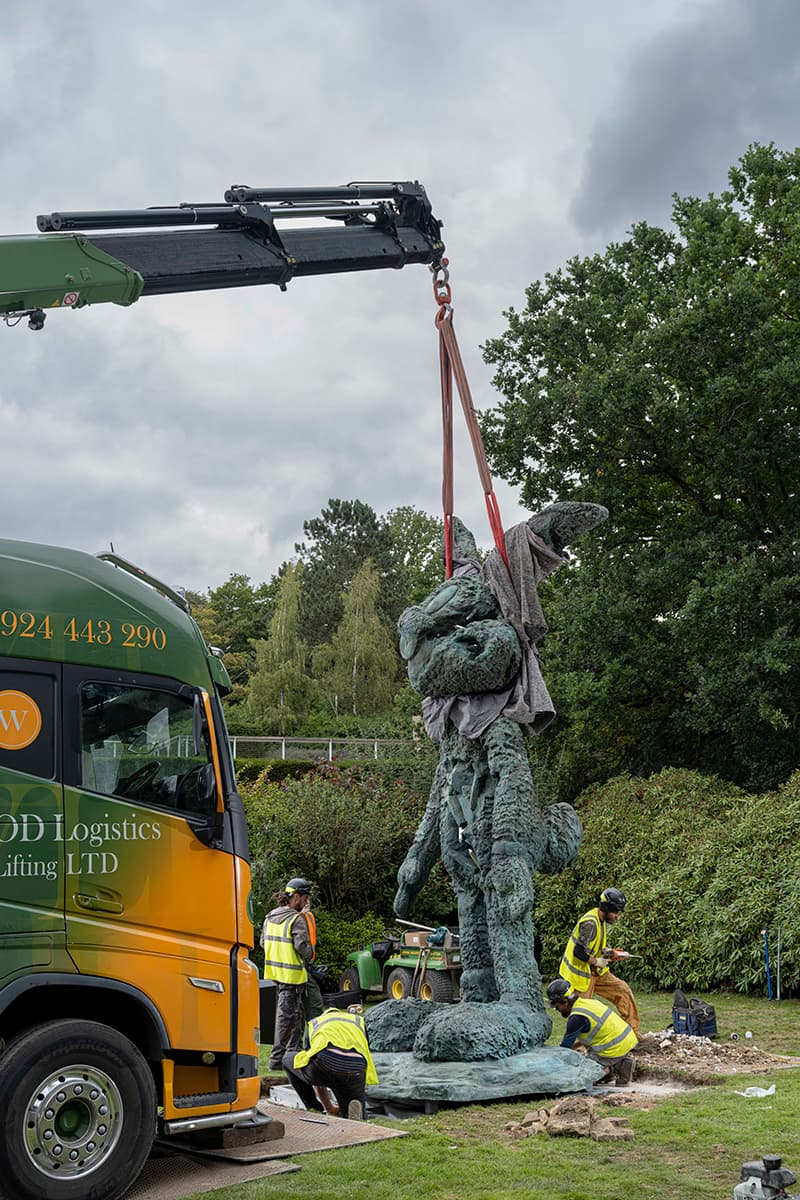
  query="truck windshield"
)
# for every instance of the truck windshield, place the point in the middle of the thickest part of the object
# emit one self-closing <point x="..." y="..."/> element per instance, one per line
<point x="138" y="743"/>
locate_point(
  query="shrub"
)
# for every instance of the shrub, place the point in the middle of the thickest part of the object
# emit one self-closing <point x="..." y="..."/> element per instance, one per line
<point x="338" y="935"/>
<point x="347" y="830"/>
<point x="249" y="769"/>
<point x="705" y="867"/>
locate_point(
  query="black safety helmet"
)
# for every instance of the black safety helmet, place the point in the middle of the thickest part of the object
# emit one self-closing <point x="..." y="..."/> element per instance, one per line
<point x="612" y="900"/>
<point x="298" y="885"/>
<point x="557" y="991"/>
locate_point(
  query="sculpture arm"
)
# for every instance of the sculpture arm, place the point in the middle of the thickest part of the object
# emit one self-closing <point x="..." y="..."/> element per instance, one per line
<point x="423" y="852"/>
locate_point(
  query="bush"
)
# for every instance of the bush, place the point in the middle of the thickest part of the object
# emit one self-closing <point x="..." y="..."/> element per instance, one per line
<point x="347" y="830"/>
<point x="249" y="769"/>
<point x="705" y="867"/>
<point x="337" y="936"/>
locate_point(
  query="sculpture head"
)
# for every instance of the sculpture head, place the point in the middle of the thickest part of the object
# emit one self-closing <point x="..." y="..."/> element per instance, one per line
<point x="565" y="521"/>
<point x="455" y="641"/>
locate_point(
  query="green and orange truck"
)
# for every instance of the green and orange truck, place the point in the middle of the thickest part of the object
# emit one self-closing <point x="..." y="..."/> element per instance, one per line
<point x="126" y="990"/>
<point x="128" y="1001"/>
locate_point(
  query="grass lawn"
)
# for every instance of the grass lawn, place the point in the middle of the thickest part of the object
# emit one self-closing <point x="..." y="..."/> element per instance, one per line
<point x="688" y="1147"/>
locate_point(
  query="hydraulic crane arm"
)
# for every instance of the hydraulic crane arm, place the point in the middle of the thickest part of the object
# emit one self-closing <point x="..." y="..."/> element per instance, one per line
<point x="259" y="235"/>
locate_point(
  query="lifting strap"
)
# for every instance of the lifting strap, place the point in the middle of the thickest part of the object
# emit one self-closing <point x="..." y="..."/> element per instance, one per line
<point x="451" y="364"/>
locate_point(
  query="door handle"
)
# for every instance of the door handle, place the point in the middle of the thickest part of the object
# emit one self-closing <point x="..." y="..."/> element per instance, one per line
<point x="98" y="903"/>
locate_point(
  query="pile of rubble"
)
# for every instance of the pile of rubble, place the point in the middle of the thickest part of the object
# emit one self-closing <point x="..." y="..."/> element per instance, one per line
<point x="667" y="1056"/>
<point x="680" y="1056"/>
<point x="576" y="1116"/>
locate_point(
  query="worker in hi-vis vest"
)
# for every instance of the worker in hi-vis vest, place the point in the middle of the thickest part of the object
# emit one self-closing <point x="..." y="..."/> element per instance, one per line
<point x="608" y="1039"/>
<point x="584" y="966"/>
<point x="287" y="952"/>
<point x="337" y="1057"/>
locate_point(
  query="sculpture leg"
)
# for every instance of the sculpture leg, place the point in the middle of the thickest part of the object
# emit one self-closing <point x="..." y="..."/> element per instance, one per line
<point x="518" y="842"/>
<point x="477" y="977"/>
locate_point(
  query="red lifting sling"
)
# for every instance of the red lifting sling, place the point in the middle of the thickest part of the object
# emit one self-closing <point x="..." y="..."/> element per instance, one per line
<point x="451" y="364"/>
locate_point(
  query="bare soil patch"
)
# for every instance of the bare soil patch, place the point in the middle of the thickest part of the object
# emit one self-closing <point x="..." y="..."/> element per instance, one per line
<point x="668" y="1056"/>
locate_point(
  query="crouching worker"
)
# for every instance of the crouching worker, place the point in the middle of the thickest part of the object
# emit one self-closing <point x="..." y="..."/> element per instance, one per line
<point x="607" y="1038"/>
<point x="338" y="1058"/>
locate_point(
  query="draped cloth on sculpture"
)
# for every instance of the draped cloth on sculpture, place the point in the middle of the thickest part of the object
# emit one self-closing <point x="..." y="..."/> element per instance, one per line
<point x="526" y="700"/>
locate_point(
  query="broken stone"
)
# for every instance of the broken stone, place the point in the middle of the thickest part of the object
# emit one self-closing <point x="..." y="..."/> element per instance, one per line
<point x="609" y="1131"/>
<point x="571" y="1117"/>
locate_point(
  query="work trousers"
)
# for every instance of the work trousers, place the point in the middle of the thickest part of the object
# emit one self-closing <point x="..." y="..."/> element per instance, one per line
<point x="313" y="1004"/>
<point x="344" y="1074"/>
<point x="290" y="1022"/>
<point x="615" y="991"/>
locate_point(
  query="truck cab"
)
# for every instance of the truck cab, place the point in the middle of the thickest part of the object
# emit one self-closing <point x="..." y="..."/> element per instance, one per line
<point x="127" y="997"/>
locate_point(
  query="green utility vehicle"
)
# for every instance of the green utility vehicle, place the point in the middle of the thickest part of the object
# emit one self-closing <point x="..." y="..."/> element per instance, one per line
<point x="421" y="962"/>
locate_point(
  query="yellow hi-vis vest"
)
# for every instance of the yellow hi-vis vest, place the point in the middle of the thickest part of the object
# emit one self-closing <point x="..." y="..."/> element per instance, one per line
<point x="578" y="974"/>
<point x="281" y="961"/>
<point x="341" y="1031"/>
<point x="609" y="1036"/>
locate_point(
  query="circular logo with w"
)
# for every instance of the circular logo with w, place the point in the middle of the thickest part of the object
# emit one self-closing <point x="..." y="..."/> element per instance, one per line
<point x="20" y="720"/>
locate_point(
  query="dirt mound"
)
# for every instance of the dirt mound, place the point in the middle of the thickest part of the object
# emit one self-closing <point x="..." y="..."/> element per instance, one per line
<point x="668" y="1055"/>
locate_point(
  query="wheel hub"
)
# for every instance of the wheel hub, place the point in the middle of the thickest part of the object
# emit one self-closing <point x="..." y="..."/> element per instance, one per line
<point x="73" y="1121"/>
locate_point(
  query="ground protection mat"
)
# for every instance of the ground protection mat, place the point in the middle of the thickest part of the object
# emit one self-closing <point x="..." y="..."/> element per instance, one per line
<point x="171" y="1176"/>
<point x="305" y="1132"/>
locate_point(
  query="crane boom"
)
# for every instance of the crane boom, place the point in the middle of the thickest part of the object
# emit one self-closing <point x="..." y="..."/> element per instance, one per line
<point x="258" y="236"/>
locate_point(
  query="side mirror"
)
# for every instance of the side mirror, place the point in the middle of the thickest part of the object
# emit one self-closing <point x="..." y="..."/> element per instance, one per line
<point x="209" y="834"/>
<point x="207" y="788"/>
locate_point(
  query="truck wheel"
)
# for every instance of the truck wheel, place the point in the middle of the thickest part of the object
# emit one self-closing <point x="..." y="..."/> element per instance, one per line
<point x="437" y="985"/>
<point x="398" y="985"/>
<point x="349" y="980"/>
<point x="80" y="1113"/>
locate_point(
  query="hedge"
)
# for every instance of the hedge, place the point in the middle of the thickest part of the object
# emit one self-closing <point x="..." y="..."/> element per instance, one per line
<point x="705" y="867"/>
<point x="249" y="769"/>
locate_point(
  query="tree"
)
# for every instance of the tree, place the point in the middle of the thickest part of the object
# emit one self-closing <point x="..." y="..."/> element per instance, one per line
<point x="662" y="379"/>
<point x="417" y="539"/>
<point x="280" y="692"/>
<point x="236" y="614"/>
<point x="358" y="669"/>
<point x="243" y="611"/>
<point x="338" y="542"/>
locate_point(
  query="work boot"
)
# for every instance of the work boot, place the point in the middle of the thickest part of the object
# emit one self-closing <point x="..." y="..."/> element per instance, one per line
<point x="625" y="1070"/>
<point x="355" y="1111"/>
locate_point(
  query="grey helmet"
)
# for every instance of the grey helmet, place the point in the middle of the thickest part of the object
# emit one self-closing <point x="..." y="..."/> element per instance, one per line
<point x="557" y="991"/>
<point x="612" y="900"/>
<point x="298" y="885"/>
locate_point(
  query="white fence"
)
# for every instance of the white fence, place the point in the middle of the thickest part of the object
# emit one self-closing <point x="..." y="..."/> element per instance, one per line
<point x="317" y="748"/>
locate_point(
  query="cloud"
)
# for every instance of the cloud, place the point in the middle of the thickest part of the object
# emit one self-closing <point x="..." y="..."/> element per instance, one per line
<point x="198" y="432"/>
<point x="691" y="102"/>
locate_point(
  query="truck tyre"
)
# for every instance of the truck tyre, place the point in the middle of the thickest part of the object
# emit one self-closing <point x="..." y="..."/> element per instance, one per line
<point x="398" y="985"/>
<point x="349" y="980"/>
<point x="437" y="985"/>
<point x="80" y="1113"/>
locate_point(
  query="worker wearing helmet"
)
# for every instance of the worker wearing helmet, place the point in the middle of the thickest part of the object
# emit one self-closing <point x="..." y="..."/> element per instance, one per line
<point x="583" y="965"/>
<point x="337" y="1057"/>
<point x="608" y="1039"/>
<point x="287" y="952"/>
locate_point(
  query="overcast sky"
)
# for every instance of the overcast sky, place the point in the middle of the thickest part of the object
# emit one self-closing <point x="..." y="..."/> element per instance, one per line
<point x="197" y="433"/>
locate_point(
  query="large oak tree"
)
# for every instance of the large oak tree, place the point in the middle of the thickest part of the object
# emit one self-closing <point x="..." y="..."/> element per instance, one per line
<point x="662" y="379"/>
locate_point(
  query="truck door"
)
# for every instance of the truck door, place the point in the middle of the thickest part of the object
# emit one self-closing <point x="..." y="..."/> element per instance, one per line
<point x="150" y="893"/>
<point x="31" y="816"/>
